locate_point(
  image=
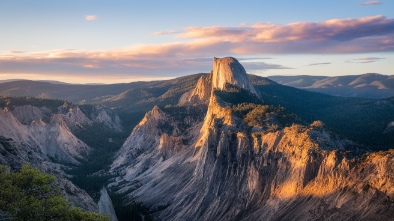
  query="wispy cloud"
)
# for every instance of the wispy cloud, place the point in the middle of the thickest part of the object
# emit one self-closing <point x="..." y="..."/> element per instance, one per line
<point x="168" y="32"/>
<point x="200" y="44"/>
<point x="17" y="52"/>
<point x="91" y="17"/>
<point x="323" y="63"/>
<point x="365" y="60"/>
<point x="255" y="58"/>
<point x="335" y="30"/>
<point x="368" y="3"/>
<point x="253" y="66"/>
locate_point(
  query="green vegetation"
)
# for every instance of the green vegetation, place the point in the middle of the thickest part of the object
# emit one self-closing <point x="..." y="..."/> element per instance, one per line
<point x="105" y="143"/>
<point x="12" y="102"/>
<point x="143" y="96"/>
<point x="361" y="120"/>
<point x="134" y="211"/>
<point x="183" y="115"/>
<point x="235" y="95"/>
<point x="252" y="110"/>
<point x="32" y="195"/>
<point x="268" y="117"/>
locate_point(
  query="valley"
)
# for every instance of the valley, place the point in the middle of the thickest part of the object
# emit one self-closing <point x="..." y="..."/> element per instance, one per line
<point x="211" y="146"/>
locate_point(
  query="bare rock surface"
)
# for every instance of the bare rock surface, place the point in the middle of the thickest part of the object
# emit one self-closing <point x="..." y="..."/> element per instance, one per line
<point x="105" y="205"/>
<point x="200" y="94"/>
<point x="46" y="146"/>
<point x="221" y="168"/>
<point x="229" y="71"/>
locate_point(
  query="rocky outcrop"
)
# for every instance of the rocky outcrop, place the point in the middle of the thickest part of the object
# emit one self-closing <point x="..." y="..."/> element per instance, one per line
<point x="144" y="136"/>
<point x="28" y="114"/>
<point x="76" y="119"/>
<point x="73" y="116"/>
<point x="106" y="117"/>
<point x="226" y="72"/>
<point x="74" y="194"/>
<point x="225" y="168"/>
<point x="57" y="142"/>
<point x="105" y="205"/>
<point x="229" y="71"/>
<point x="200" y="94"/>
<point x="43" y="146"/>
<point x="51" y="132"/>
<point x="17" y="146"/>
<point x="161" y="135"/>
<point x="39" y="141"/>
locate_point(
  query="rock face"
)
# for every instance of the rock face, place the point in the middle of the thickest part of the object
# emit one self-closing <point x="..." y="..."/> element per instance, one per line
<point x="226" y="71"/>
<point x="43" y="139"/>
<point x="76" y="119"/>
<point x="106" y="117"/>
<point x="57" y="141"/>
<point x="227" y="168"/>
<point x="200" y="94"/>
<point x="51" y="140"/>
<point x="73" y="116"/>
<point x="105" y="205"/>
<point x="229" y="71"/>
<point x="16" y="143"/>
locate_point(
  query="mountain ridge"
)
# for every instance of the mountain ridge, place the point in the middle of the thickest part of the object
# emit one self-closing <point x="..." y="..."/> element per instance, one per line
<point x="228" y="168"/>
<point x="43" y="134"/>
<point x="370" y="85"/>
<point x="200" y="152"/>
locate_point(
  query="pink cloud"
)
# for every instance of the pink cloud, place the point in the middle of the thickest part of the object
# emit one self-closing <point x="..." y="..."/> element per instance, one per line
<point x="336" y="36"/>
<point x="368" y="3"/>
<point x="169" y="32"/>
<point x="335" y="29"/>
<point x="91" y="17"/>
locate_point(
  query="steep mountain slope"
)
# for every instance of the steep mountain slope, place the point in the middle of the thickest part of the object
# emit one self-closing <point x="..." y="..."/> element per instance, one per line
<point x="42" y="136"/>
<point x="43" y="146"/>
<point x="363" y="120"/>
<point x="366" y="86"/>
<point x="248" y="161"/>
<point x="130" y="101"/>
<point x="52" y="139"/>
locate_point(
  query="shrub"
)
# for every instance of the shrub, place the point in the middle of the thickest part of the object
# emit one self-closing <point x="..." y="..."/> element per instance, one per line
<point x="32" y="195"/>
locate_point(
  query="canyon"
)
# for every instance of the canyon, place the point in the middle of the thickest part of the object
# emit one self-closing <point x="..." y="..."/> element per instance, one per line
<point x="217" y="146"/>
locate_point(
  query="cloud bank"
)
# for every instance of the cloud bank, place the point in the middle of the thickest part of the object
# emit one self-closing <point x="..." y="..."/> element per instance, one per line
<point x="336" y="36"/>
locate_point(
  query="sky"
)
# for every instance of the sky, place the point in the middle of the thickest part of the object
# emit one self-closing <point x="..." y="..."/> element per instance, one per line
<point x="102" y="41"/>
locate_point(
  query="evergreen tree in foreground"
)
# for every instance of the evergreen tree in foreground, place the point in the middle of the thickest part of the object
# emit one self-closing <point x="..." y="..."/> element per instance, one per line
<point x="32" y="195"/>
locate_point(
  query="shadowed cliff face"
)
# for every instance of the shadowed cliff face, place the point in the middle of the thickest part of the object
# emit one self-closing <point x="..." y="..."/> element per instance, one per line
<point x="230" y="166"/>
<point x="46" y="145"/>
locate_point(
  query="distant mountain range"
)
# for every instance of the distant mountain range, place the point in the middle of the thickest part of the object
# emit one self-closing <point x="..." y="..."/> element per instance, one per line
<point x="360" y="119"/>
<point x="367" y="85"/>
<point x="217" y="146"/>
<point x="126" y="95"/>
<point x="224" y="153"/>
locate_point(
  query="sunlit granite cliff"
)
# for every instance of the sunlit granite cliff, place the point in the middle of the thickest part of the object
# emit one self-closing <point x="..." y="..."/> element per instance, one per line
<point x="223" y="154"/>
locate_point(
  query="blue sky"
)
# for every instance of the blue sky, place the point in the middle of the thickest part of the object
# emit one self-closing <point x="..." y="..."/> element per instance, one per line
<point x="96" y="41"/>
